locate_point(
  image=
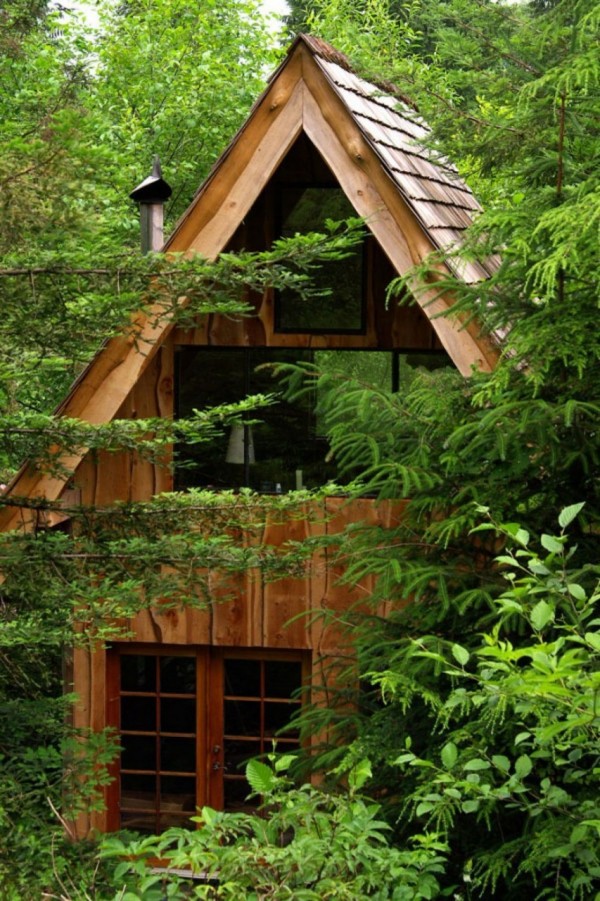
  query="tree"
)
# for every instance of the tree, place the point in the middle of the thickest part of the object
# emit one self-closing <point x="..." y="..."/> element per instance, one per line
<point x="82" y="116"/>
<point x="307" y="843"/>
<point x="512" y="93"/>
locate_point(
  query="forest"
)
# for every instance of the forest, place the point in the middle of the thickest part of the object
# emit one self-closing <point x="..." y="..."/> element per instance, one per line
<point x="464" y="762"/>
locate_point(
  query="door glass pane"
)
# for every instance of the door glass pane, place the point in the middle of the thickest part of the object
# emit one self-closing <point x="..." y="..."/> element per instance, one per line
<point x="138" y="714"/>
<point x="138" y="791"/>
<point x="238" y="753"/>
<point x="277" y="716"/>
<point x="242" y="678"/>
<point x="138" y="752"/>
<point x="146" y="823"/>
<point x="236" y="792"/>
<point x="178" y="715"/>
<point x="282" y="678"/>
<point x="178" y="794"/>
<point x="138" y="672"/>
<point x="178" y="755"/>
<point x="178" y="675"/>
<point x="242" y="718"/>
<point x="179" y="820"/>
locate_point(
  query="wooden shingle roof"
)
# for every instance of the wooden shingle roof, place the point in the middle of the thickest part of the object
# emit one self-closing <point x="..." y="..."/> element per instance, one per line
<point x="444" y="205"/>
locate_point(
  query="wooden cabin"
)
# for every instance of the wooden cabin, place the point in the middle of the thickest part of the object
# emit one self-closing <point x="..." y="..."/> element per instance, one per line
<point x="193" y="692"/>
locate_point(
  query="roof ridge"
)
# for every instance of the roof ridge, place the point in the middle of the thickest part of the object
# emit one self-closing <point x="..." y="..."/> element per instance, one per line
<point x="330" y="54"/>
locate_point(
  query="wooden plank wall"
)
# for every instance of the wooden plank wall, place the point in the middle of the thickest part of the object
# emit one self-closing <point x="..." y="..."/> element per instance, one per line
<point x="308" y="612"/>
<point x="103" y="478"/>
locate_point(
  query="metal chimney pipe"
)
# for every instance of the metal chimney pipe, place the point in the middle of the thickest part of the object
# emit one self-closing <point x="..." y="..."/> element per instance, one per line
<point x="151" y="195"/>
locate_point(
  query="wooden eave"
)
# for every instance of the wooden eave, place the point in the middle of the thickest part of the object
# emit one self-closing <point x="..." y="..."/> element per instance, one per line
<point x="412" y="204"/>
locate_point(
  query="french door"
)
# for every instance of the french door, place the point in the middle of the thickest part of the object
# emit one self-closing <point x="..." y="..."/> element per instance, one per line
<point x="188" y="720"/>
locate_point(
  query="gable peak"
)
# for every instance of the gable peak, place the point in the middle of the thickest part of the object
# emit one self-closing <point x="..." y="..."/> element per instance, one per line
<point x="326" y="52"/>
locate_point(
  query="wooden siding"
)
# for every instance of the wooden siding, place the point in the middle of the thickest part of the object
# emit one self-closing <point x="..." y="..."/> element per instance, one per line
<point x="311" y="613"/>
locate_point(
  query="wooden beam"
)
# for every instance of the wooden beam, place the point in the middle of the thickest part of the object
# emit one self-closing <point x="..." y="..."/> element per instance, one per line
<point x="244" y="169"/>
<point x="331" y="128"/>
<point x="95" y="398"/>
<point x="228" y="199"/>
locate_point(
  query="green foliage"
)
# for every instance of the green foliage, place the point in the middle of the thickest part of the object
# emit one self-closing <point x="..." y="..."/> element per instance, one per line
<point x="515" y="729"/>
<point x="512" y="97"/>
<point x="43" y="770"/>
<point x="81" y="116"/>
<point x="307" y="844"/>
<point x="94" y="301"/>
<point x="176" y="79"/>
<point x="493" y="740"/>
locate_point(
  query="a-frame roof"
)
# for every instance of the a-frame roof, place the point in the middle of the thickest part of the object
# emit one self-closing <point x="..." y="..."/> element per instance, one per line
<point x="429" y="183"/>
<point x="413" y="202"/>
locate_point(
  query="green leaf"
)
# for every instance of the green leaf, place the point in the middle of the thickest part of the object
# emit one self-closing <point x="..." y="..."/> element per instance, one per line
<point x="477" y="764"/>
<point x="502" y="762"/>
<point x="283" y="763"/>
<point x="505" y="558"/>
<point x="360" y="774"/>
<point x="121" y="869"/>
<point x="469" y="806"/>
<point x="593" y="638"/>
<point x="541" y="615"/>
<point x="209" y="816"/>
<point x="578" y="834"/>
<point x="404" y="758"/>
<point x="568" y="514"/>
<point x="449" y="755"/>
<point x="424" y="807"/>
<point x="260" y="776"/>
<point x="523" y="766"/>
<point x="460" y="654"/>
<point x="551" y="544"/>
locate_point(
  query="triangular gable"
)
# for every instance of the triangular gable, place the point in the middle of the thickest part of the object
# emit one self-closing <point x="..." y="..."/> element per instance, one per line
<point x="413" y="205"/>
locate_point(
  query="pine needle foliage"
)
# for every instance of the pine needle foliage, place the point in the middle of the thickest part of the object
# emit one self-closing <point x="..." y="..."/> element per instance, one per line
<point x="512" y="94"/>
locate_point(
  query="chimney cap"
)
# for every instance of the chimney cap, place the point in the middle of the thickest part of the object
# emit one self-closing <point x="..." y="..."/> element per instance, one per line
<point x="153" y="189"/>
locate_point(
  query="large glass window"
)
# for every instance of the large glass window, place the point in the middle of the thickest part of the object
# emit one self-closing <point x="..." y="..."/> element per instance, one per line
<point x="341" y="307"/>
<point x="282" y="446"/>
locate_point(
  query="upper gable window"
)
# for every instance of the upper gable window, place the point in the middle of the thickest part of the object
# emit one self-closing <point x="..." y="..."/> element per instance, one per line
<point x="340" y="309"/>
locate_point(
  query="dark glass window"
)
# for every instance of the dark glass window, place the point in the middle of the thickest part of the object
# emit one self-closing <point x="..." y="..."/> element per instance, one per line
<point x="260" y="698"/>
<point x="158" y="741"/>
<point x="284" y="445"/>
<point x="340" y="306"/>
